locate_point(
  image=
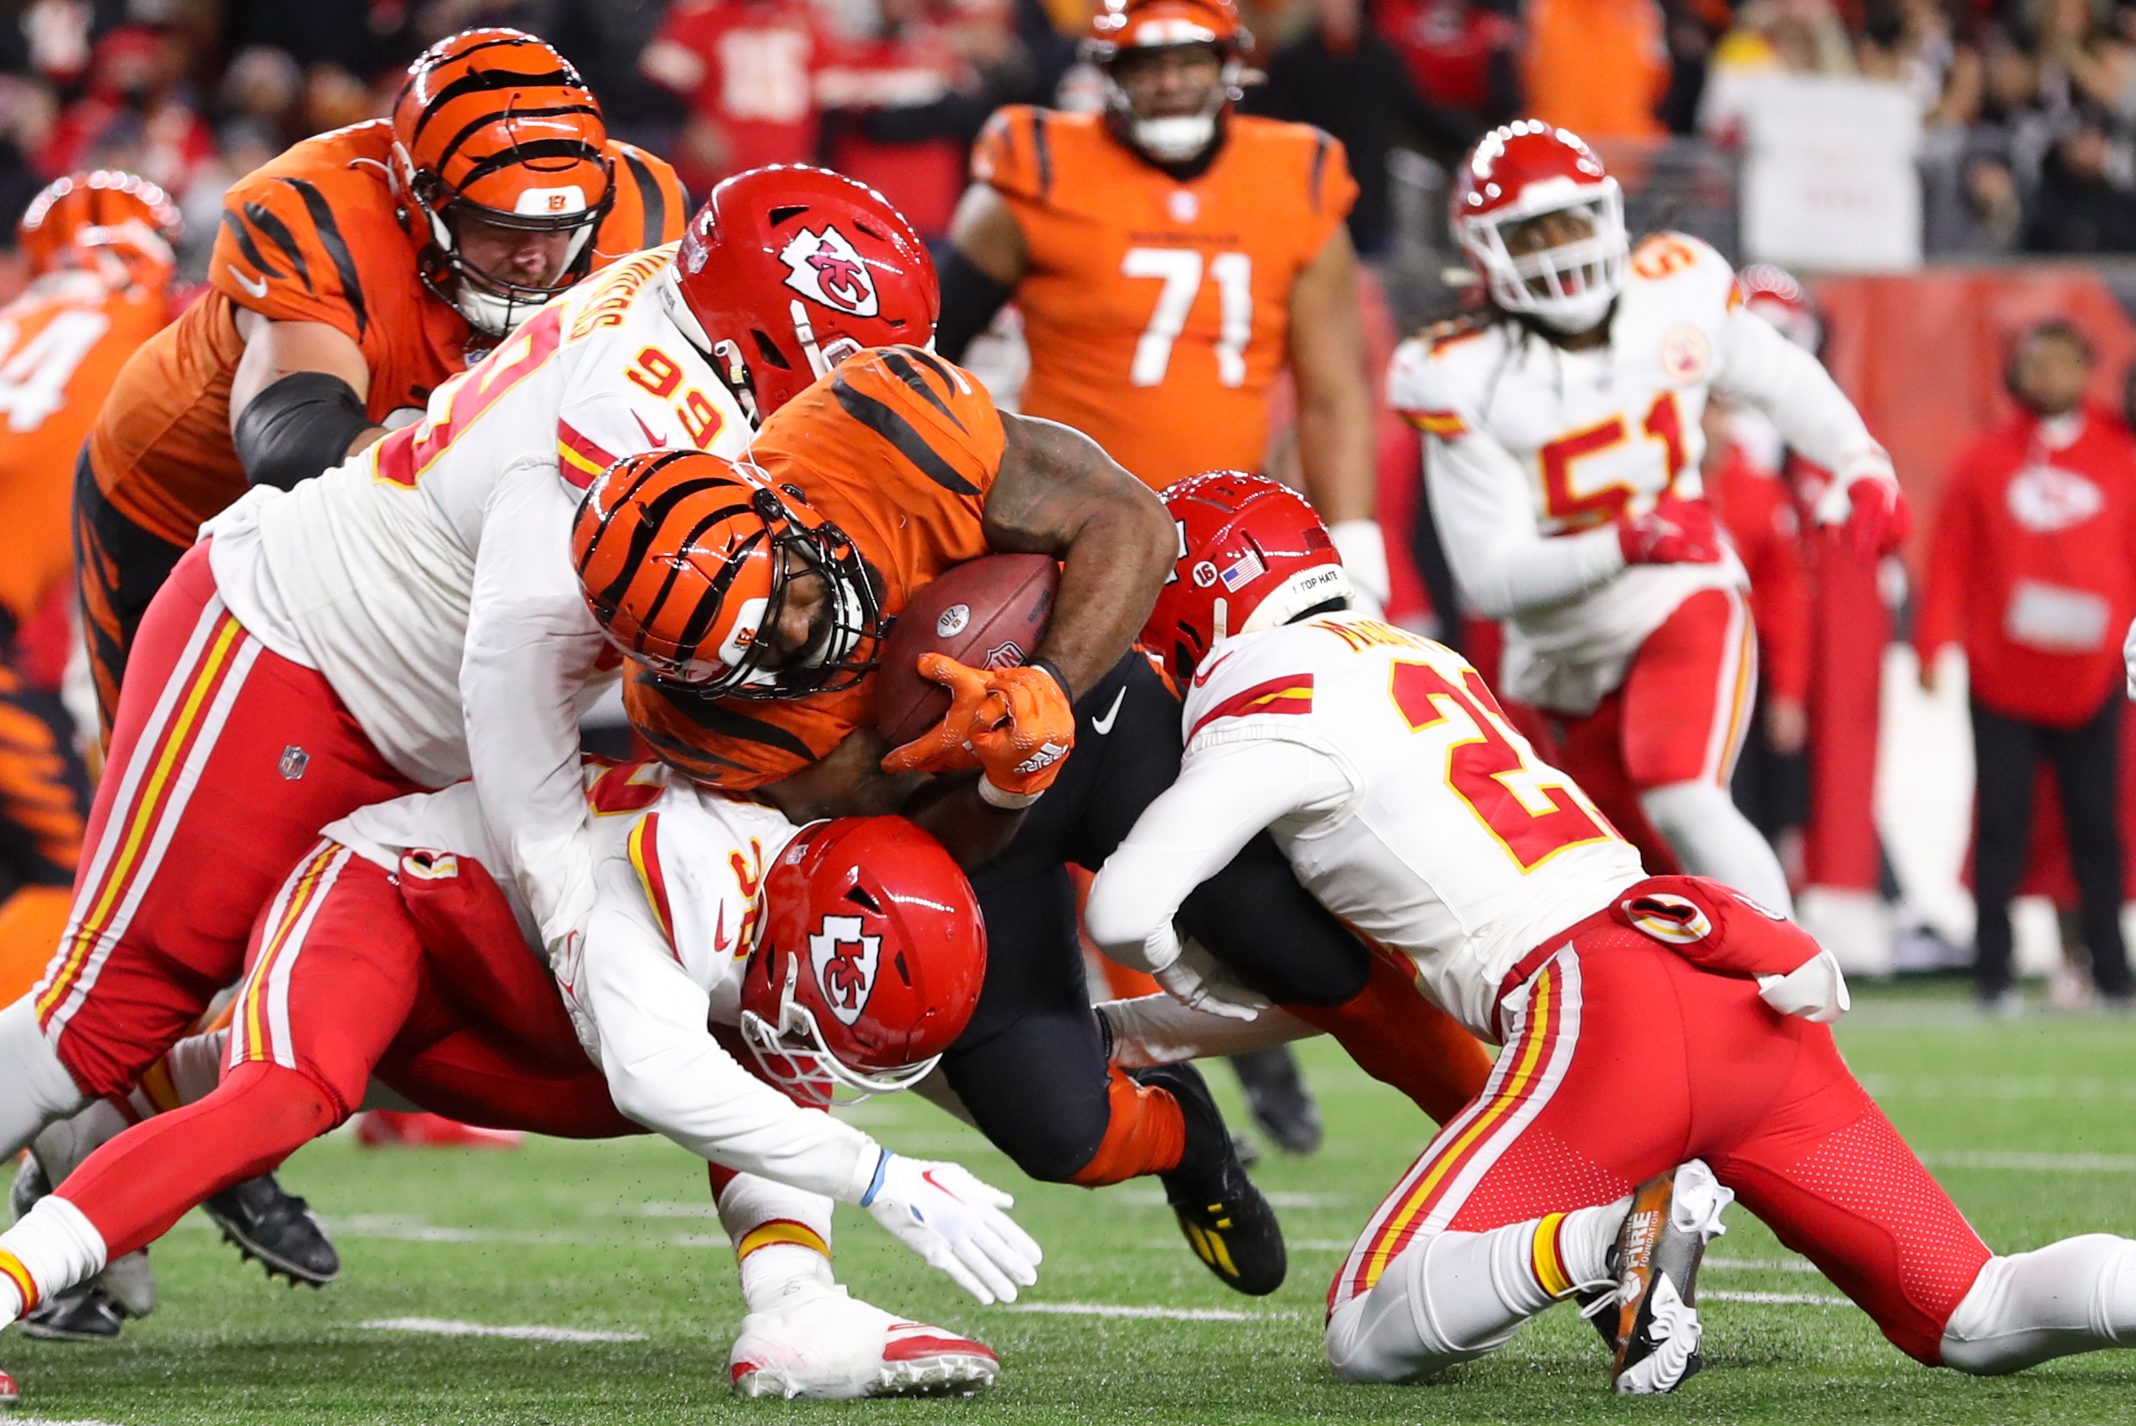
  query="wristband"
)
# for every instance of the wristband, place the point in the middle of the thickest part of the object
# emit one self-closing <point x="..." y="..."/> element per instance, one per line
<point x="1058" y="677"/>
<point x="1003" y="801"/>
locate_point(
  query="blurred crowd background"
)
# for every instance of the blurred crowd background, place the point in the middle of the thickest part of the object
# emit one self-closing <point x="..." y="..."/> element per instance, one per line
<point x="2027" y="107"/>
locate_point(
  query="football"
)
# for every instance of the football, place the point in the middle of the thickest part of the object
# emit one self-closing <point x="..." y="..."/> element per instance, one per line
<point x="989" y="612"/>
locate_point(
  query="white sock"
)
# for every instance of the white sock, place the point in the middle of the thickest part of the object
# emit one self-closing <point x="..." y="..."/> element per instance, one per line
<point x="781" y="1235"/>
<point x="2078" y="1295"/>
<point x="50" y="1250"/>
<point x="1451" y="1297"/>
<point x="188" y="1071"/>
<point x="35" y="1087"/>
<point x="62" y="1145"/>
<point x="1711" y="837"/>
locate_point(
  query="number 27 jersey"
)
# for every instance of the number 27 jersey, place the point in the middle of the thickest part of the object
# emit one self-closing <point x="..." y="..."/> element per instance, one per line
<point x="1451" y="841"/>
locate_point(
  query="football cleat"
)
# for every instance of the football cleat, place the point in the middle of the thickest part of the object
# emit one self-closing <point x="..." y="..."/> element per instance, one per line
<point x="1673" y="1217"/>
<point x="1277" y="1097"/>
<point x="1227" y="1222"/>
<point x="9" y="1392"/>
<point x="83" y="1313"/>
<point x="262" y="1220"/>
<point x="414" y="1129"/>
<point x="820" y="1344"/>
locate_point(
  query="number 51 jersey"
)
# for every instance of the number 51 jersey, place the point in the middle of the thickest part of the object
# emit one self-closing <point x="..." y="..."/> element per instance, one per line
<point x="1450" y="842"/>
<point x="1157" y="309"/>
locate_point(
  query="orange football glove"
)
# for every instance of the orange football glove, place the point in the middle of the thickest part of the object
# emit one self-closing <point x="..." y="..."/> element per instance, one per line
<point x="946" y="747"/>
<point x="1023" y="734"/>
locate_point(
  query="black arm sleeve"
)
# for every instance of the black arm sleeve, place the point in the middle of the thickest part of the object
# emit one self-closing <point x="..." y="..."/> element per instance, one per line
<point x="969" y="301"/>
<point x="298" y="427"/>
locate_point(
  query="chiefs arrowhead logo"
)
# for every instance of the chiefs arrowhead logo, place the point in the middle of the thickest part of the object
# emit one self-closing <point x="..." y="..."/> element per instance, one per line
<point x="823" y="267"/>
<point x="844" y="963"/>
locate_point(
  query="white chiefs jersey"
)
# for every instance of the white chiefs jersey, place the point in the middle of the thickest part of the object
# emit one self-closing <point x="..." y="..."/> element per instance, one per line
<point x="678" y="894"/>
<point x="1420" y="817"/>
<point x="368" y="572"/>
<point x="429" y="577"/>
<point x="1533" y="452"/>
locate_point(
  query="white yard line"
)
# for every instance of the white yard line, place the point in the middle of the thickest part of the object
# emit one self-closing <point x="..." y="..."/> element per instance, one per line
<point x="2031" y="1163"/>
<point x="1165" y="1314"/>
<point x="1769" y="1265"/>
<point x="449" y="1327"/>
<point x="1785" y="1299"/>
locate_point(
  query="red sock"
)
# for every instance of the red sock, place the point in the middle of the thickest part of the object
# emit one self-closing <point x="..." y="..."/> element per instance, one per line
<point x="1147" y="1133"/>
<point x="135" y="1187"/>
<point x="1400" y="1038"/>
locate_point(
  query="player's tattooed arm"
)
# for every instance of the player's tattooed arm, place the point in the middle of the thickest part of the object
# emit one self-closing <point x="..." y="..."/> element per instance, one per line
<point x="1059" y="494"/>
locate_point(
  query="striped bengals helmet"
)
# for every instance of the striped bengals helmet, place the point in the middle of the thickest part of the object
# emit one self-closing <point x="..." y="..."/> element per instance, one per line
<point x="117" y="222"/>
<point x="493" y="124"/>
<point x="686" y="557"/>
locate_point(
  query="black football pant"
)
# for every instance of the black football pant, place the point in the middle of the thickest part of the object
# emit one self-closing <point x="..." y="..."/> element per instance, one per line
<point x="2087" y="771"/>
<point x="1031" y="1067"/>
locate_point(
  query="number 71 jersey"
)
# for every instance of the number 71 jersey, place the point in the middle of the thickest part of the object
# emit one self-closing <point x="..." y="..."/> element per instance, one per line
<point x="1455" y="844"/>
<point x="1157" y="309"/>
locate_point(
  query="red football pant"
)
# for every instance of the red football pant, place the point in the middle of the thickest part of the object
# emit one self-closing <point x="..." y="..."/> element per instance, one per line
<point x="225" y="761"/>
<point x="342" y="986"/>
<point x="1680" y="715"/>
<point x="1621" y="1061"/>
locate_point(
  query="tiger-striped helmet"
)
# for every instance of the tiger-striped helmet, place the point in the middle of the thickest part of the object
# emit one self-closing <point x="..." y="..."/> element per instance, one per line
<point x="496" y="126"/>
<point x="117" y="222"/>
<point x="687" y="558"/>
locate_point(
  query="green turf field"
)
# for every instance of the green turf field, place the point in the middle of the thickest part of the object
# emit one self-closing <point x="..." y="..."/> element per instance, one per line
<point x="2032" y="1124"/>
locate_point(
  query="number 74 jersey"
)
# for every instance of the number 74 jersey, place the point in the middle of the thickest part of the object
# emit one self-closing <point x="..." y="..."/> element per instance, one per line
<point x="1430" y="825"/>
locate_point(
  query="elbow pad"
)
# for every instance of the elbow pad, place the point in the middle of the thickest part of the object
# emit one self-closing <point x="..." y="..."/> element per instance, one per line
<point x="969" y="301"/>
<point x="297" y="427"/>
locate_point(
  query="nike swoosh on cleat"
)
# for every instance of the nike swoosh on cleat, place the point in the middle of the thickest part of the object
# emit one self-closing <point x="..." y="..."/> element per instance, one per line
<point x="257" y="286"/>
<point x="1102" y="726"/>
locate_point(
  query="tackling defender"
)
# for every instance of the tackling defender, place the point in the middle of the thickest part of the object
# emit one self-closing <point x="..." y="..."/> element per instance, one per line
<point x="1646" y="1021"/>
<point x="1562" y="442"/>
<point x="848" y="951"/>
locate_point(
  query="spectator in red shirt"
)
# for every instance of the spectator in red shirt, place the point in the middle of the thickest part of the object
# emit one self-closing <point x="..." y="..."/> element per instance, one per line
<point x="1462" y="55"/>
<point x="747" y="70"/>
<point x="2032" y="569"/>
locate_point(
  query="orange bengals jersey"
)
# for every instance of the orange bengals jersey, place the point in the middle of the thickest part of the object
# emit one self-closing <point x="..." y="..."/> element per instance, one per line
<point x="1158" y="311"/>
<point x="61" y="346"/>
<point x="313" y="236"/>
<point x="898" y="448"/>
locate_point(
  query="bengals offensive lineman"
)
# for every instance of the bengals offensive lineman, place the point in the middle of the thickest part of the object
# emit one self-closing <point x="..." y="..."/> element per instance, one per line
<point x="1562" y="444"/>
<point x="1171" y="257"/>
<point x="99" y="247"/>
<point x="350" y="278"/>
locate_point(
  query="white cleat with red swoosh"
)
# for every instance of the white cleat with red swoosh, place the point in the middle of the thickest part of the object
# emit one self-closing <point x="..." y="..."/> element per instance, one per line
<point x="820" y="1344"/>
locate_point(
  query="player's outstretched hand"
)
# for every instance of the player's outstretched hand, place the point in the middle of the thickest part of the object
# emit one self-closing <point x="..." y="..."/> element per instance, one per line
<point x="1023" y="733"/>
<point x="946" y="747"/>
<point x="956" y="1224"/>
<point x="1871" y="513"/>
<point x="1675" y="531"/>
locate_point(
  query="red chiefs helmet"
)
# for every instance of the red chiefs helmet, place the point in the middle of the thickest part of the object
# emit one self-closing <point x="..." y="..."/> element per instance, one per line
<point x="870" y="961"/>
<point x="118" y="223"/>
<point x="1252" y="556"/>
<point x="1521" y="172"/>
<point x="685" y="557"/>
<point x="788" y="270"/>
<point x="1774" y="294"/>
<point x="1122" y="28"/>
<point x="494" y="124"/>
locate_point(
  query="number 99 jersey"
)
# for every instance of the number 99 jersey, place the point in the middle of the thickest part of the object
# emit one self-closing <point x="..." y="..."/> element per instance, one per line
<point x="1432" y="826"/>
<point x="1157" y="309"/>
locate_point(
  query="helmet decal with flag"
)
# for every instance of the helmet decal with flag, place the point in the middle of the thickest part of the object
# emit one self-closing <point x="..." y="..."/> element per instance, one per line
<point x="117" y="223"/>
<point x="1252" y="556"/>
<point x="494" y="125"/>
<point x="870" y="960"/>
<point x="1521" y="173"/>
<point x="787" y="271"/>
<point x="686" y="558"/>
<point x="1125" y="28"/>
